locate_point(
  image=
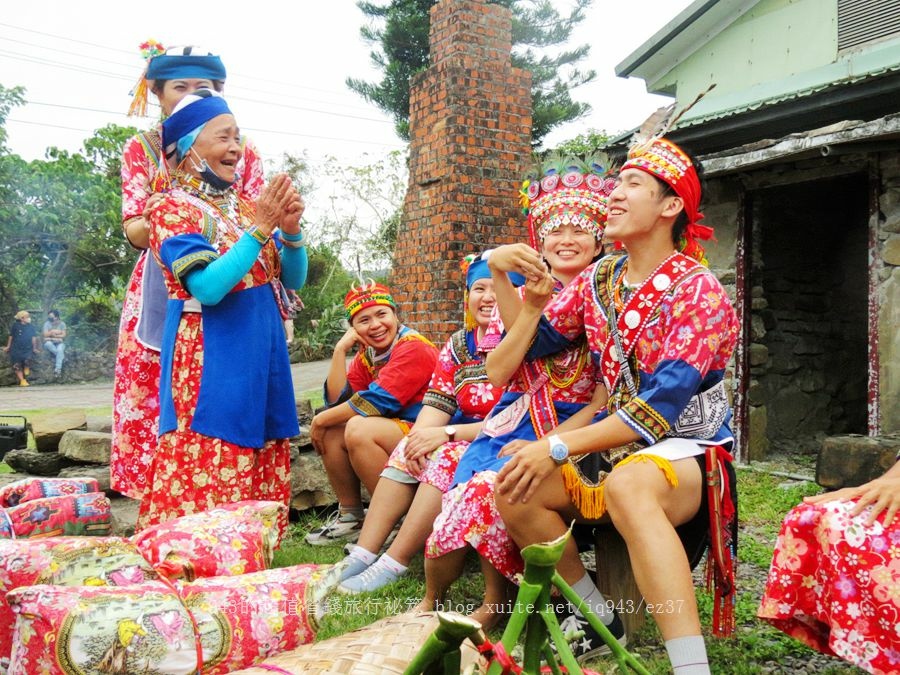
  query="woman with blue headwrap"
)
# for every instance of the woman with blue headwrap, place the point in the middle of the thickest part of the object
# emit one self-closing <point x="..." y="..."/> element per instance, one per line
<point x="170" y="75"/>
<point x="227" y="403"/>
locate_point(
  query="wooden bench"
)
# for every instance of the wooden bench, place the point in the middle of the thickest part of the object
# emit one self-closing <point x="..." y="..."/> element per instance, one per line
<point x="616" y="580"/>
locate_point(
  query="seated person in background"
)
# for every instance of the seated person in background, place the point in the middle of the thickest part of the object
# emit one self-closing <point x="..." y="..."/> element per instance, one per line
<point x="371" y="404"/>
<point x="54" y="335"/>
<point x="834" y="583"/>
<point x="421" y="467"/>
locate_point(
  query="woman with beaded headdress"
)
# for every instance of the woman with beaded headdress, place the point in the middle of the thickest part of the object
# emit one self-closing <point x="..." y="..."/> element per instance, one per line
<point x="370" y="404"/>
<point x="227" y="404"/>
<point x="566" y="207"/>
<point x="170" y="75"/>
<point x="662" y="330"/>
<point x="422" y="465"/>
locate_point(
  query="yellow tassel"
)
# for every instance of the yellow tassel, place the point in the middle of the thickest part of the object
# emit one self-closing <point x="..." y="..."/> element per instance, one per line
<point x="664" y="465"/>
<point x="139" y="102"/>
<point x="588" y="499"/>
<point x="468" y="319"/>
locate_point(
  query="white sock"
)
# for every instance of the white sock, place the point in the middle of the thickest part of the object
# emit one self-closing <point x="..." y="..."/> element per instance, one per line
<point x="392" y="565"/>
<point x="586" y="590"/>
<point x="688" y="655"/>
<point x="361" y="554"/>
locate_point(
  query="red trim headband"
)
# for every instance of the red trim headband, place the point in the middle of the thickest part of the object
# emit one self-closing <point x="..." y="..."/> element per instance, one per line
<point x="665" y="160"/>
<point x="367" y="295"/>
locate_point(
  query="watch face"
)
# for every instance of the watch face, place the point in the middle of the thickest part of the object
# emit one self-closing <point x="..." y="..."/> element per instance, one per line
<point x="450" y="431"/>
<point x="559" y="452"/>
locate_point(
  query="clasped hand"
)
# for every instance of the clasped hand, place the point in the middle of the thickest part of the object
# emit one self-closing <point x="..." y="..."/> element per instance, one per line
<point x="519" y="258"/>
<point x="420" y="443"/>
<point x="279" y="206"/>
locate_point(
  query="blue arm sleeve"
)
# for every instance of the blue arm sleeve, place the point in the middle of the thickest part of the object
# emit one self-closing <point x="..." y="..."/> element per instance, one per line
<point x="211" y="283"/>
<point x="294" y="265"/>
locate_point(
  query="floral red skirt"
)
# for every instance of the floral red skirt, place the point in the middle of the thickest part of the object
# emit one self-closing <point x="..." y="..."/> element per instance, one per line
<point x="834" y="584"/>
<point x="469" y="517"/>
<point x="135" y="398"/>
<point x="191" y="472"/>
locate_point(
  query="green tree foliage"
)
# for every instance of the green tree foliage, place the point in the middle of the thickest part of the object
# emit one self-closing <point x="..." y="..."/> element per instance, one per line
<point x="582" y="145"/>
<point x="398" y="31"/>
<point x="318" y="325"/>
<point x="363" y="211"/>
<point x="61" y="242"/>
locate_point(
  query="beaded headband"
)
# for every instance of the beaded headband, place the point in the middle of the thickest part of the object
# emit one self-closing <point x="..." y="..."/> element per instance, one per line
<point x="367" y="295"/>
<point x="569" y="192"/>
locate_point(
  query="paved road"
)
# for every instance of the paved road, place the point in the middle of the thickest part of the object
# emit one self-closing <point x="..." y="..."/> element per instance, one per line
<point x="95" y="394"/>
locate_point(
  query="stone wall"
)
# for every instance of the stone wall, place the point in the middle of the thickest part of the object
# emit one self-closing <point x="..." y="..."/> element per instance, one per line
<point x="79" y="366"/>
<point x="888" y="292"/>
<point x="809" y="326"/>
<point x="810" y="271"/>
<point x="470" y="141"/>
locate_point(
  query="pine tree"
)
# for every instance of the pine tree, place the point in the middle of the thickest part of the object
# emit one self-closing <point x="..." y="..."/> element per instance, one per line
<point x="398" y="31"/>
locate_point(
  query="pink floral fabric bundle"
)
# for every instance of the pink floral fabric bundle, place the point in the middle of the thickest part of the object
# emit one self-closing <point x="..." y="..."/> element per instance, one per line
<point x="232" y="539"/>
<point x="27" y="489"/>
<point x="217" y="625"/>
<point x="72" y="515"/>
<point x="64" y="561"/>
<point x="834" y="584"/>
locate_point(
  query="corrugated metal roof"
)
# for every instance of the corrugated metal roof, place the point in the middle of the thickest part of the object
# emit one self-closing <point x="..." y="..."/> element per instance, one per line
<point x="788" y="96"/>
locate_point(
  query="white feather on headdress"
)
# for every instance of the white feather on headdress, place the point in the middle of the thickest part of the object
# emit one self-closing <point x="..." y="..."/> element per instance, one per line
<point x="660" y="123"/>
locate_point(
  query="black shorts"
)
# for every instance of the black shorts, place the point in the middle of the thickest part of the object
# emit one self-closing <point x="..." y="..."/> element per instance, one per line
<point x="694" y="534"/>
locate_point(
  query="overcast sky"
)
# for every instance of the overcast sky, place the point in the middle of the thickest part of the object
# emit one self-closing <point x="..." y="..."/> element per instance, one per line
<point x="287" y="63"/>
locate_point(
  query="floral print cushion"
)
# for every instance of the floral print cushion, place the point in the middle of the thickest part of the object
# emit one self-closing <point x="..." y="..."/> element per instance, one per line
<point x="72" y="514"/>
<point x="28" y="489"/>
<point x="219" y="625"/>
<point x="231" y="539"/>
<point x="65" y="561"/>
<point x="834" y="584"/>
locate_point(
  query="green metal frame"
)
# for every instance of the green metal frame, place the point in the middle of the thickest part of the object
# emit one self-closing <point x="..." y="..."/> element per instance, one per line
<point x="532" y="615"/>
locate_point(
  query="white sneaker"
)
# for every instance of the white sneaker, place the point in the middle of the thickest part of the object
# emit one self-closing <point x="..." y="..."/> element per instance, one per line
<point x="370" y="579"/>
<point x="341" y="527"/>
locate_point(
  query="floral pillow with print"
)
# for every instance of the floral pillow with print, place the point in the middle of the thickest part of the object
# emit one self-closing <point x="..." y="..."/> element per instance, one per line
<point x="65" y="561"/>
<point x="230" y="539"/>
<point x="214" y="625"/>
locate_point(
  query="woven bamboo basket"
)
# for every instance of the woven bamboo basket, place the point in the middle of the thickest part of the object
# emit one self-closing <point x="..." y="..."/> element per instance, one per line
<point x="382" y="648"/>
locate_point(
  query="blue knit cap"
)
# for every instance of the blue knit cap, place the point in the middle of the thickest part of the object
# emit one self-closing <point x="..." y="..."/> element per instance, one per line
<point x="181" y="128"/>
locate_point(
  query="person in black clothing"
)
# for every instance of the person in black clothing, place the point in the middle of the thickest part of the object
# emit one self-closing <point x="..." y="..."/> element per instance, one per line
<point x="22" y="345"/>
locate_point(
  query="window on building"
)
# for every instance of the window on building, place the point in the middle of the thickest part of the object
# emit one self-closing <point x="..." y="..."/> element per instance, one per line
<point x="861" y="21"/>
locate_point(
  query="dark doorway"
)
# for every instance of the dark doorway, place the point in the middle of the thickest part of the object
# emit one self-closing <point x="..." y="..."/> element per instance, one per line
<point x="809" y="284"/>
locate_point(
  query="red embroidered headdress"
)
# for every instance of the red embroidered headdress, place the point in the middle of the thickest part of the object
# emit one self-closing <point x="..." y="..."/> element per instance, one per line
<point x="571" y="191"/>
<point x="659" y="157"/>
<point x="367" y="295"/>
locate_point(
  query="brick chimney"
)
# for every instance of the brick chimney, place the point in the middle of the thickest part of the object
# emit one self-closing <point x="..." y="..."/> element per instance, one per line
<point x="470" y="142"/>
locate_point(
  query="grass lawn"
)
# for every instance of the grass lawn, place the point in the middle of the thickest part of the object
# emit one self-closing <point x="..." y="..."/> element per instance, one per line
<point x="756" y="647"/>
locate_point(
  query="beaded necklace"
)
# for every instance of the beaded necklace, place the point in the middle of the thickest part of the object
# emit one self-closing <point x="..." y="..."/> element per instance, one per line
<point x="552" y="366"/>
